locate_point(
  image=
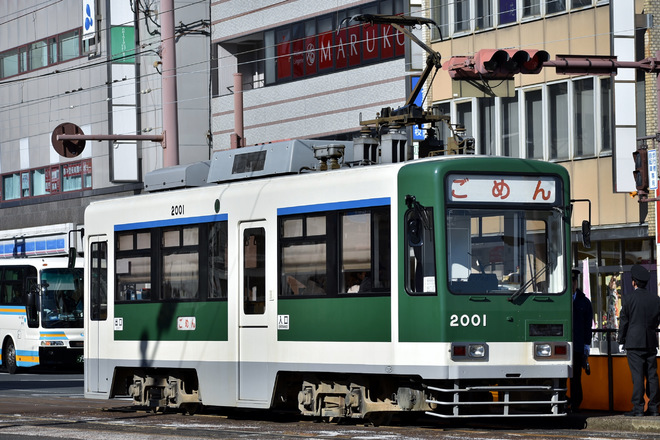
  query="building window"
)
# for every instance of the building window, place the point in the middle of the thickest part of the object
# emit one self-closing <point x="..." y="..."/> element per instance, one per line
<point x="440" y="14"/>
<point x="555" y="6"/>
<point x="531" y="8"/>
<point x="11" y="187"/>
<point x="72" y="176"/>
<point x="40" y="54"/>
<point x="461" y="15"/>
<point x="487" y="144"/>
<point x="558" y="120"/>
<point x="534" y="124"/>
<point x="606" y="115"/>
<point x="310" y="47"/>
<point x="584" y="124"/>
<point x="510" y="130"/>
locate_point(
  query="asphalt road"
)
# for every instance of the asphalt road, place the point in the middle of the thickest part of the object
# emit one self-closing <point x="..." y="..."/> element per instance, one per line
<point x="52" y="406"/>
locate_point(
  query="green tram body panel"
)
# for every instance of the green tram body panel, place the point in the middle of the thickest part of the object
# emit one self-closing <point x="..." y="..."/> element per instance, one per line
<point x="337" y="319"/>
<point x="159" y="321"/>
<point x="428" y="318"/>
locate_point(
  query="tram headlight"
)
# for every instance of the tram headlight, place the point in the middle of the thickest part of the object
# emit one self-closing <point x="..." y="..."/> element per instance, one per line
<point x="475" y="351"/>
<point x="543" y="350"/>
<point x="551" y="350"/>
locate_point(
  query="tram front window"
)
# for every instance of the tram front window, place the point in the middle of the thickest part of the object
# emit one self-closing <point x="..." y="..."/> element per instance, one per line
<point x="62" y="298"/>
<point x="505" y="251"/>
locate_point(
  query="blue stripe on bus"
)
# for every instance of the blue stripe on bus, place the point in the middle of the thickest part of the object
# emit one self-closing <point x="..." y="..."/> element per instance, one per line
<point x="171" y="222"/>
<point x="52" y="335"/>
<point x="335" y="206"/>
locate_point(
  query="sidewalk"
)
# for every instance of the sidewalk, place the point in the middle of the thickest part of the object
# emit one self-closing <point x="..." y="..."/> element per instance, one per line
<point x="617" y="422"/>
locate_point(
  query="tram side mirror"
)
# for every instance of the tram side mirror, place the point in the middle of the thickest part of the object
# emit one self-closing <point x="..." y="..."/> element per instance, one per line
<point x="414" y="226"/>
<point x="586" y="234"/>
<point x="72" y="257"/>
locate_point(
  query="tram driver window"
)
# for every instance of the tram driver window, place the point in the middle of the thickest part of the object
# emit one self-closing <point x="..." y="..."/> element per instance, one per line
<point x="420" y="267"/>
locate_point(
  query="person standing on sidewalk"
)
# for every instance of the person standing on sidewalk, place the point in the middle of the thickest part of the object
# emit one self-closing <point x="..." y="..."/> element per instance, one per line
<point x="639" y="319"/>
<point x="582" y="317"/>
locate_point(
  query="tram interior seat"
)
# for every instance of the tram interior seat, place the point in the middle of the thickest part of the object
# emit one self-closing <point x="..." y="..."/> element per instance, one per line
<point x="476" y="283"/>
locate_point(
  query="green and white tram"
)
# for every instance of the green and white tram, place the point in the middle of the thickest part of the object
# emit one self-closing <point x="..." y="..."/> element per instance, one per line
<point x="438" y="285"/>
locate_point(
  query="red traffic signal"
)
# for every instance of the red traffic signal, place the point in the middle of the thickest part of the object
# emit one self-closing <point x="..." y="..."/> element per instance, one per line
<point x="641" y="172"/>
<point x="496" y="64"/>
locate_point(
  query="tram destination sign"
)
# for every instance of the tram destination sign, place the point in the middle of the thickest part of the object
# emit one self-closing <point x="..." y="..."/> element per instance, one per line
<point x="484" y="188"/>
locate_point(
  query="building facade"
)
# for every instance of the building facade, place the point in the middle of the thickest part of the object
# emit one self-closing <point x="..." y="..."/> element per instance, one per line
<point x="96" y="64"/>
<point x="308" y="71"/>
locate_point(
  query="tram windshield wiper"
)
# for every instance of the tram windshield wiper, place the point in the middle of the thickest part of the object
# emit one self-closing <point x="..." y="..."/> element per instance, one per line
<point x="528" y="283"/>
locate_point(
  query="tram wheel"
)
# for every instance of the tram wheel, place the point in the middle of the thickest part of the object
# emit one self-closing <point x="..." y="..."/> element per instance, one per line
<point x="9" y="357"/>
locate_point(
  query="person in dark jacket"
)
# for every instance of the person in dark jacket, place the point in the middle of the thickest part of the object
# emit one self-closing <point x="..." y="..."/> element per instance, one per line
<point x="639" y="319"/>
<point x="582" y="318"/>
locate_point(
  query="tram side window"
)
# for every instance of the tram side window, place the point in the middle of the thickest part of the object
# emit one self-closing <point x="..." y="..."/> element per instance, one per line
<point x="133" y="266"/>
<point x="180" y="262"/>
<point x="420" y="251"/>
<point x="217" y="261"/>
<point x="304" y="255"/>
<point x="365" y="250"/>
<point x="99" y="281"/>
<point x="332" y="253"/>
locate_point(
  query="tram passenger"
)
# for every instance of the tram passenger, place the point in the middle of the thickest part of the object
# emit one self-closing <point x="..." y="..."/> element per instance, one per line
<point x="582" y="317"/>
<point x="639" y="319"/>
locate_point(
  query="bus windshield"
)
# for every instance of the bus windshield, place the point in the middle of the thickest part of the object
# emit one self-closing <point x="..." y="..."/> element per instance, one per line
<point x="506" y="251"/>
<point x="62" y="298"/>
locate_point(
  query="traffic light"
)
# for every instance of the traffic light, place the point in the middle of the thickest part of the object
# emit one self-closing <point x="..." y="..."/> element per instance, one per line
<point x="641" y="172"/>
<point x="496" y="64"/>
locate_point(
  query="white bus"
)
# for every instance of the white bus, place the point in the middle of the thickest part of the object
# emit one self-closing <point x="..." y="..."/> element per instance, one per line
<point x="41" y="312"/>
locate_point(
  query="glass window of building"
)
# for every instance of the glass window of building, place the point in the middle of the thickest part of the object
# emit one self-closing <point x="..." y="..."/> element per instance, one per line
<point x="9" y="63"/>
<point x="534" y="124"/>
<point x="507" y="11"/>
<point x="70" y="45"/>
<point x="555" y="6"/>
<point x="610" y="253"/>
<point x="487" y="141"/>
<point x="11" y="187"/>
<point x="606" y="118"/>
<point x="464" y="116"/>
<point x="461" y="15"/>
<point x="510" y="135"/>
<point x="584" y="133"/>
<point x="531" y="8"/>
<point x="558" y="120"/>
<point x="38" y="55"/>
<point x="484" y="14"/>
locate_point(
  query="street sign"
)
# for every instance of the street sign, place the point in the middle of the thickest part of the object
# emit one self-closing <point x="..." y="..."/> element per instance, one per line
<point x="89" y="19"/>
<point x="653" y="169"/>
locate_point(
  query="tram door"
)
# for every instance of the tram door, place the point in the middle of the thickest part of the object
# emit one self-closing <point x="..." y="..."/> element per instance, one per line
<point x="253" y="325"/>
<point x="96" y="376"/>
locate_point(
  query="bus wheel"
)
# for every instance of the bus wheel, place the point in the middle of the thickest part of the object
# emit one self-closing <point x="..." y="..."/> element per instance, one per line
<point x="9" y="357"/>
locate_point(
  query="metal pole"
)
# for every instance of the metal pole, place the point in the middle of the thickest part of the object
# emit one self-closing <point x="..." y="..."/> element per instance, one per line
<point x="168" y="56"/>
<point x="238" y="139"/>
